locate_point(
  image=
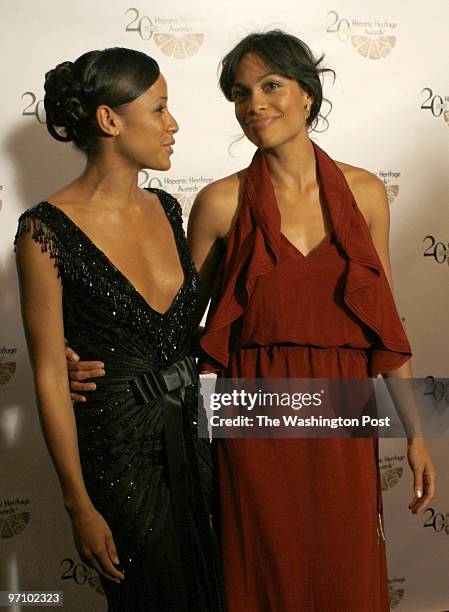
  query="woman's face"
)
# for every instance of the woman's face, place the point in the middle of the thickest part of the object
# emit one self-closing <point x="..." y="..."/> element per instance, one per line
<point x="146" y="133"/>
<point x="268" y="106"/>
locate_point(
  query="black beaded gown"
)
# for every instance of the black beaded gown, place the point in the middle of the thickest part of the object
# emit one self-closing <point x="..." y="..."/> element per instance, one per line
<point x="145" y="469"/>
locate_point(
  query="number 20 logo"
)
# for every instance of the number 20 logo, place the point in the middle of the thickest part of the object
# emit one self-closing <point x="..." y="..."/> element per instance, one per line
<point x="437" y="521"/>
<point x="437" y="250"/>
<point x="145" y="180"/>
<point x="338" y="26"/>
<point x="434" y="103"/>
<point x="35" y="108"/>
<point x="143" y="25"/>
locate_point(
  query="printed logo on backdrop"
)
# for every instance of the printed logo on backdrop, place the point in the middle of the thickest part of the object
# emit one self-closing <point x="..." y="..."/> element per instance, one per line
<point x="14" y="516"/>
<point x="390" y="179"/>
<point x="176" y="37"/>
<point x="373" y="39"/>
<point x="184" y="188"/>
<point x="439" y="390"/>
<point x="32" y="107"/>
<point x="436" y="249"/>
<point x="396" y="591"/>
<point x="437" y="522"/>
<point x="435" y="104"/>
<point x="7" y="366"/>
<point x="391" y="471"/>
<point x="81" y="575"/>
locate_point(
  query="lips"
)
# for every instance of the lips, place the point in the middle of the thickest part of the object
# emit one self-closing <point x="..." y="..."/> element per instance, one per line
<point x="261" y="122"/>
<point x="169" y="146"/>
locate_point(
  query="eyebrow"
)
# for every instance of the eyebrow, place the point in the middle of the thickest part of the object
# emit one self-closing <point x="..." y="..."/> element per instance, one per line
<point x="261" y="78"/>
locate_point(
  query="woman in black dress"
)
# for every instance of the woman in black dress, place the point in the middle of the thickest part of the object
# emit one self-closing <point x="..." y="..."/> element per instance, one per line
<point x="106" y="266"/>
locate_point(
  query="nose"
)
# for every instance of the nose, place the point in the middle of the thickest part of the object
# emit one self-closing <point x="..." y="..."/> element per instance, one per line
<point x="256" y="102"/>
<point x="173" y="126"/>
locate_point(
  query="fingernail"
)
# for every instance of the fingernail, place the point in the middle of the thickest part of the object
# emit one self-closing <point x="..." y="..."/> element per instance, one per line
<point x="418" y="493"/>
<point x="116" y="560"/>
<point x="100" y="364"/>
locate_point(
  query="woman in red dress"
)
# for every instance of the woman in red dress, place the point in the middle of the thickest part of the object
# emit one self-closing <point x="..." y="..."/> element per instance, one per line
<point x="297" y="246"/>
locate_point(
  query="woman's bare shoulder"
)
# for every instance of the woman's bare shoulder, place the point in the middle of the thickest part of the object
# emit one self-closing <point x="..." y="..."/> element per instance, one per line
<point x="360" y="179"/>
<point x="224" y="190"/>
<point x="218" y="202"/>
<point x="368" y="190"/>
<point x="67" y="197"/>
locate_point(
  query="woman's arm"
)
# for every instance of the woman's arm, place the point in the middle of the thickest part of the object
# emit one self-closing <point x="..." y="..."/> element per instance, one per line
<point x="210" y="221"/>
<point x="41" y="302"/>
<point x="371" y="197"/>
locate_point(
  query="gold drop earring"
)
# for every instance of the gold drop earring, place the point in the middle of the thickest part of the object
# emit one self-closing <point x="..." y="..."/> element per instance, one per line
<point x="307" y="108"/>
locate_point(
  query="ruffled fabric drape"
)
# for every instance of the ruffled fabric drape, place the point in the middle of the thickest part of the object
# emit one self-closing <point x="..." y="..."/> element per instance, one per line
<point x="301" y="518"/>
<point x="253" y="250"/>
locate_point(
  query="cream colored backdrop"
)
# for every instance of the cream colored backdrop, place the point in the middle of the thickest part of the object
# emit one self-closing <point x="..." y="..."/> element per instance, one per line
<point x="390" y="98"/>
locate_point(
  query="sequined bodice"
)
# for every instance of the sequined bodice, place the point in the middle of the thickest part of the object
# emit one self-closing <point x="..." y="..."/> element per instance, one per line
<point x="105" y="318"/>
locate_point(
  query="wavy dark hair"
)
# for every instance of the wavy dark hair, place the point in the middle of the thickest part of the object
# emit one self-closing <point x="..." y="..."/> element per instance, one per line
<point x="288" y="56"/>
<point x="74" y="90"/>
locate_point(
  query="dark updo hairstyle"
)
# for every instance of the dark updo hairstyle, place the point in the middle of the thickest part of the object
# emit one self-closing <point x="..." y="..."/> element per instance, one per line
<point x="286" y="55"/>
<point x="74" y="90"/>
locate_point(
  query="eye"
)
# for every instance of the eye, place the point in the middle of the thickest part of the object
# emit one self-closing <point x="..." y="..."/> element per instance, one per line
<point x="271" y="85"/>
<point x="237" y="95"/>
<point x="161" y="108"/>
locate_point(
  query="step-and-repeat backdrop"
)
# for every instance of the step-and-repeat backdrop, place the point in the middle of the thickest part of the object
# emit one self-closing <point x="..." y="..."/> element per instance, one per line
<point x="390" y="115"/>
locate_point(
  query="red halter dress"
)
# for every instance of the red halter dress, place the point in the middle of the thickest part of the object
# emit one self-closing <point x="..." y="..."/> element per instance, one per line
<point x="299" y="517"/>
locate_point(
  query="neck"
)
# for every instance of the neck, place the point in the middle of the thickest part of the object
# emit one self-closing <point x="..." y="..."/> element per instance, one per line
<point x="110" y="183"/>
<point x="292" y="165"/>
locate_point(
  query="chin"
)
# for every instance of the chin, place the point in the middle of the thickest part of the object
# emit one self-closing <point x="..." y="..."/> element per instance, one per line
<point x="160" y="166"/>
<point x="266" y="142"/>
<point x="274" y="142"/>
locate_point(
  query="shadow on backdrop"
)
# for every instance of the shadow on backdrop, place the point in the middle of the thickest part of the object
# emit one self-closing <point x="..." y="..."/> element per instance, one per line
<point x="42" y="166"/>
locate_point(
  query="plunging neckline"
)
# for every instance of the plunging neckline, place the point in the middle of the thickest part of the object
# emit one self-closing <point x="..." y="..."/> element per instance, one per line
<point x="119" y="272"/>
<point x="327" y="236"/>
<point x="313" y="251"/>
